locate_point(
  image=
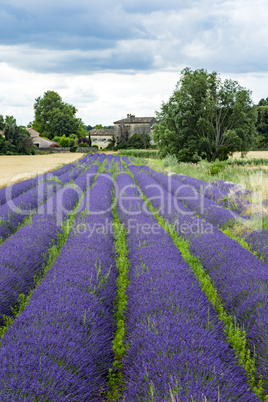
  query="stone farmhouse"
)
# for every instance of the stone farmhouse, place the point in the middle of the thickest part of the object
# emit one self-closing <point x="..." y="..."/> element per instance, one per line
<point x="126" y="127"/>
<point x="132" y="124"/>
<point x="101" y="136"/>
<point x="39" y="141"/>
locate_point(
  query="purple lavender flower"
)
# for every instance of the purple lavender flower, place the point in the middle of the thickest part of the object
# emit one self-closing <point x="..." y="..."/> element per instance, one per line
<point x="240" y="277"/>
<point x="196" y="202"/>
<point x="60" y="347"/>
<point x="231" y="187"/>
<point x="174" y="338"/>
<point x="24" y="254"/>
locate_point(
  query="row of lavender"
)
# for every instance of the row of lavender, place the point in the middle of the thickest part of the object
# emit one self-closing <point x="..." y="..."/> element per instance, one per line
<point x="60" y="347"/>
<point x="199" y="197"/>
<point x="24" y="254"/>
<point x="240" y="277"/>
<point x="175" y="343"/>
<point x="257" y="239"/>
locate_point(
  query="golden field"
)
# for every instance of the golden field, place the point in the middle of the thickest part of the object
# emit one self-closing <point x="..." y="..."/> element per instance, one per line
<point x="252" y="154"/>
<point x="21" y="167"/>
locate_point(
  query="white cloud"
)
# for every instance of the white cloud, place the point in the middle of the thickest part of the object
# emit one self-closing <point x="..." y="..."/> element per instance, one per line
<point x="99" y="98"/>
<point x="126" y="58"/>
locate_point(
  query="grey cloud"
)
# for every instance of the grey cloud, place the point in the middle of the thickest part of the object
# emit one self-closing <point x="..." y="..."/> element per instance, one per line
<point x="134" y="35"/>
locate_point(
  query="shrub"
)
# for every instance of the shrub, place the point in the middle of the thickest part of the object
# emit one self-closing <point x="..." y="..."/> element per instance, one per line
<point x="64" y="141"/>
<point x="217" y="167"/>
<point x="73" y="149"/>
<point x="170" y="160"/>
<point x="56" y="139"/>
<point x="84" y="142"/>
<point x="73" y="137"/>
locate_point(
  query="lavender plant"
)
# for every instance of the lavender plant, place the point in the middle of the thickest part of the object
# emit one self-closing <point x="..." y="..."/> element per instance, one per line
<point x="60" y="347"/>
<point x="169" y="322"/>
<point x="239" y="277"/>
<point x="25" y="253"/>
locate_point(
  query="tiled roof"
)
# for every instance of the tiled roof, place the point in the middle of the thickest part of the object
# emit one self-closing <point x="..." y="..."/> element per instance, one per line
<point x="33" y="132"/>
<point x="134" y="119"/>
<point x="101" y="132"/>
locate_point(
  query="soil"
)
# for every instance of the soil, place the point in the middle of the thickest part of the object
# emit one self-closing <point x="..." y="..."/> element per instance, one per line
<point x="21" y="167"/>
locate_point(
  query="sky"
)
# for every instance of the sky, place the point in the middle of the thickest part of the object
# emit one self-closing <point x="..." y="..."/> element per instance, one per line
<point x="111" y="58"/>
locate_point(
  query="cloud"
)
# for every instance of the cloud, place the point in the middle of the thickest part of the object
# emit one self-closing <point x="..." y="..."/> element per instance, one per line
<point x="110" y="59"/>
<point x="99" y="98"/>
<point x="66" y="36"/>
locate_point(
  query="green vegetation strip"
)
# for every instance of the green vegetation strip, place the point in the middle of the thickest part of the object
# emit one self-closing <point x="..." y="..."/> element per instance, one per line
<point x="229" y="232"/>
<point x="140" y="153"/>
<point x="122" y="263"/>
<point x="236" y="335"/>
<point x="245" y="162"/>
<point x="53" y="254"/>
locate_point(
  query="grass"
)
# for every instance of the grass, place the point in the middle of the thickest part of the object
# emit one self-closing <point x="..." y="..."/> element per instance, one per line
<point x="115" y="380"/>
<point x="253" y="178"/>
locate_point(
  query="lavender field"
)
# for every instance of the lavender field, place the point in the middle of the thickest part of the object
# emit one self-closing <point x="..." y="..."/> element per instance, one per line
<point x="120" y="283"/>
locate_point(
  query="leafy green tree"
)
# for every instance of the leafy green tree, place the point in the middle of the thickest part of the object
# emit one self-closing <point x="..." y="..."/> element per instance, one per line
<point x="53" y="117"/>
<point x="17" y="139"/>
<point x="262" y="124"/>
<point x="111" y="143"/>
<point x="263" y="102"/>
<point x="205" y="118"/>
<point x="99" y="126"/>
<point x="2" y="122"/>
<point x="139" y="141"/>
<point x="81" y="131"/>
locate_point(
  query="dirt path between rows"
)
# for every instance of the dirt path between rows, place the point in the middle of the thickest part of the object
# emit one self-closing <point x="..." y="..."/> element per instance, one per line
<point x="21" y="167"/>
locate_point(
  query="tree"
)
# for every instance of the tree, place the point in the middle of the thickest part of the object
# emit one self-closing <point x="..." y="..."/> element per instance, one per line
<point x="53" y="117"/>
<point x="16" y="139"/>
<point x="139" y="141"/>
<point x="2" y="122"/>
<point x="123" y="135"/>
<point x="205" y="118"/>
<point x="263" y="102"/>
<point x="111" y="142"/>
<point x="262" y="123"/>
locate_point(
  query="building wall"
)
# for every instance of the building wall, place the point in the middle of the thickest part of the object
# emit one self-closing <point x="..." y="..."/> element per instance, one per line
<point x="101" y="141"/>
<point x="133" y="128"/>
<point x="41" y="142"/>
